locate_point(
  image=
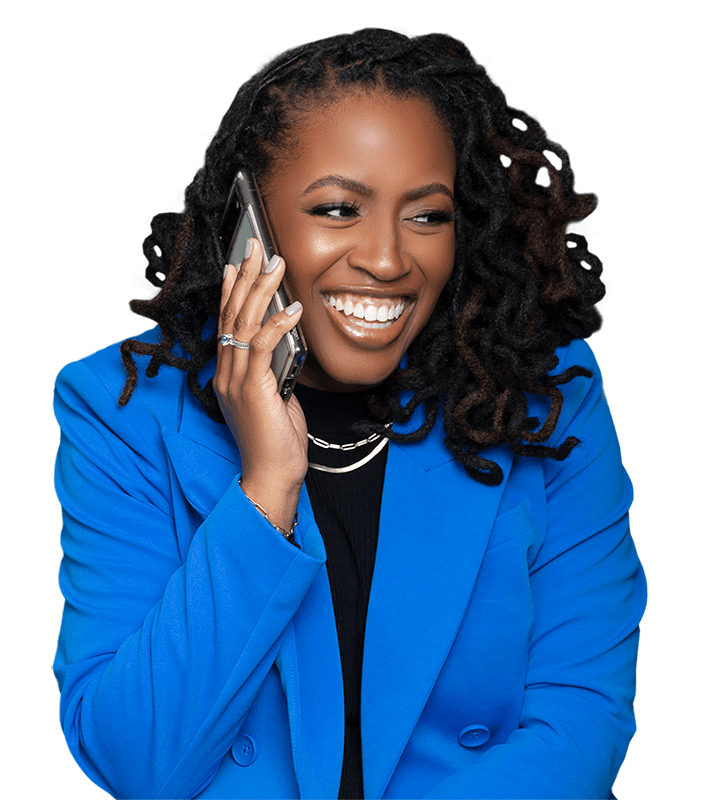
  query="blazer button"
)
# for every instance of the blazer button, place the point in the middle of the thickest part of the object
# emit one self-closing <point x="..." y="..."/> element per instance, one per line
<point x="474" y="735"/>
<point x="244" y="750"/>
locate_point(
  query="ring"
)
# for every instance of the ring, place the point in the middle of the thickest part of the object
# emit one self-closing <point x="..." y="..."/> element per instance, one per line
<point x="228" y="338"/>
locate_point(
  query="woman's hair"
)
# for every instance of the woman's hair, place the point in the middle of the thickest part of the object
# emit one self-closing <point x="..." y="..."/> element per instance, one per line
<point x="520" y="287"/>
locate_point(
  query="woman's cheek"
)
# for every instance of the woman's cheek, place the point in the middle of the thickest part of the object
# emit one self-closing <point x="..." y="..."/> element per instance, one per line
<point x="325" y="246"/>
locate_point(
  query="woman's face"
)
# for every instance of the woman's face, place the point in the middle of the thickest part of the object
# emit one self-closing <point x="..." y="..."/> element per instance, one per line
<point x="362" y="211"/>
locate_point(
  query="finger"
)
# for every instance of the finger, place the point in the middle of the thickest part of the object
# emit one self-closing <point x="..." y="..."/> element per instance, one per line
<point x="235" y="287"/>
<point x="238" y="284"/>
<point x="252" y="312"/>
<point x="267" y="339"/>
<point x="230" y="273"/>
<point x="251" y="317"/>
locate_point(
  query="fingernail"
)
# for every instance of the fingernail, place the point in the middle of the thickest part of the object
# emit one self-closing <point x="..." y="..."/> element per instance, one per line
<point x="249" y="248"/>
<point x="293" y="308"/>
<point x="235" y="266"/>
<point x="272" y="264"/>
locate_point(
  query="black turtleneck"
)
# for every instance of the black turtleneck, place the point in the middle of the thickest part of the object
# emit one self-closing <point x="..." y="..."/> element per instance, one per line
<point x="347" y="510"/>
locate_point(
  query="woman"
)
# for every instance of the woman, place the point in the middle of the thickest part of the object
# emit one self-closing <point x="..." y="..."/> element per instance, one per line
<point x="220" y="636"/>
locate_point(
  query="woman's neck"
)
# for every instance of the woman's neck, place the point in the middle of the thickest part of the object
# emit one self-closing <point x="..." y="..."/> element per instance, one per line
<point x="332" y="412"/>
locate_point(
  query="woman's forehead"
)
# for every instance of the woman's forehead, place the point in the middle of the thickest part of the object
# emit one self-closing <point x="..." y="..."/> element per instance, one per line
<point x="370" y="137"/>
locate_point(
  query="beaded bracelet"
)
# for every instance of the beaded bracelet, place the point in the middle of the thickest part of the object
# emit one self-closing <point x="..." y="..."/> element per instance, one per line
<point x="287" y="534"/>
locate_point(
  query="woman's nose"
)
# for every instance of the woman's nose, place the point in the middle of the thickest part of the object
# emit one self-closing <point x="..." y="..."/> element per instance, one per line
<point x="379" y="250"/>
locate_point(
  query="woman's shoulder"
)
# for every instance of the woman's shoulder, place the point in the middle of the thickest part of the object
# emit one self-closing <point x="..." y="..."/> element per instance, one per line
<point x="584" y="412"/>
<point x="94" y="385"/>
<point x="106" y="363"/>
<point x="580" y="391"/>
<point x="577" y="353"/>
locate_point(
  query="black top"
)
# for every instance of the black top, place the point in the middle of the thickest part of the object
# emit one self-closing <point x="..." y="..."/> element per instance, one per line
<point x="347" y="510"/>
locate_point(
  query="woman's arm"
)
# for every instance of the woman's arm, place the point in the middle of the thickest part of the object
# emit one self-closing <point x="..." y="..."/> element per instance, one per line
<point x="167" y="638"/>
<point x="162" y="647"/>
<point x="588" y="594"/>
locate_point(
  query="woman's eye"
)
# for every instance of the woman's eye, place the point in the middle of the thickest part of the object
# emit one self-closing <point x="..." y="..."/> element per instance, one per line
<point x="335" y="210"/>
<point x="432" y="217"/>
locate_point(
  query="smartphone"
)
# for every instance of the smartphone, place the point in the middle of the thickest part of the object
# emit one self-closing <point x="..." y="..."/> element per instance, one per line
<point x="245" y="218"/>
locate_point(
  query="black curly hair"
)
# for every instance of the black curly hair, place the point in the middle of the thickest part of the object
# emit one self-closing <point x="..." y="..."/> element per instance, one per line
<point x="521" y="286"/>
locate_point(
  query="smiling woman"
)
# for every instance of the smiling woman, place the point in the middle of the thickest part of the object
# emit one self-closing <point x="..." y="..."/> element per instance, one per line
<point x="363" y="213"/>
<point x="415" y="577"/>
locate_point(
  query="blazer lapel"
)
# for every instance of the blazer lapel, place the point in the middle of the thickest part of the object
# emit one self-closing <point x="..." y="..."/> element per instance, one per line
<point x="203" y="455"/>
<point x="435" y="523"/>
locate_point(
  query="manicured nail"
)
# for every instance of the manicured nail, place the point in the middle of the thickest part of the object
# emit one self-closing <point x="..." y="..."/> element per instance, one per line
<point x="272" y="264"/>
<point x="249" y="248"/>
<point x="293" y="308"/>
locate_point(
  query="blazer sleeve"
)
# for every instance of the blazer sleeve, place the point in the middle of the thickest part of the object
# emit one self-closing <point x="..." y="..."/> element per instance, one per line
<point x="161" y="653"/>
<point x="588" y="594"/>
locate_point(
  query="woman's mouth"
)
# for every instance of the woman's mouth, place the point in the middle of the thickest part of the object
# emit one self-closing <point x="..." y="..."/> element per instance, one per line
<point x="367" y="312"/>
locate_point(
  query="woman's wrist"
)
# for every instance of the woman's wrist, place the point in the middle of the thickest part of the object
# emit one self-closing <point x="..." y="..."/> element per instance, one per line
<point x="287" y="534"/>
<point x="276" y="504"/>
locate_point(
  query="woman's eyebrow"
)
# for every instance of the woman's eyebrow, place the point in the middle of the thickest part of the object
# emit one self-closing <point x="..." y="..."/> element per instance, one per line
<point x="344" y="183"/>
<point x="427" y="189"/>
<point x="366" y="191"/>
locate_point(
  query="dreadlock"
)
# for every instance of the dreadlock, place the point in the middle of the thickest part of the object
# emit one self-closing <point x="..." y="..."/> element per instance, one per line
<point x="520" y="287"/>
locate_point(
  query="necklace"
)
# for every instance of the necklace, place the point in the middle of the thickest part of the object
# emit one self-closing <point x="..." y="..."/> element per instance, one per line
<point x="357" y="464"/>
<point x="344" y="447"/>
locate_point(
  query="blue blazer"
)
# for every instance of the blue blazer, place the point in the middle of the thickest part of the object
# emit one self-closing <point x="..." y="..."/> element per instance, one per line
<point x="198" y="654"/>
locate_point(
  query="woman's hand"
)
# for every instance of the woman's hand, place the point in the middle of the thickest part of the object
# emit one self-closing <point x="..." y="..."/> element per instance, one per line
<point x="271" y="435"/>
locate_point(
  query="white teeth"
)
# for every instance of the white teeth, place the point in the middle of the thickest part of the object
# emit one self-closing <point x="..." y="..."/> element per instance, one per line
<point x="396" y="311"/>
<point x="374" y="311"/>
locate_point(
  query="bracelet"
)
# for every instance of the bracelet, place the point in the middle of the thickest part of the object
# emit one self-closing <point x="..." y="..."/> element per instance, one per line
<point x="287" y="534"/>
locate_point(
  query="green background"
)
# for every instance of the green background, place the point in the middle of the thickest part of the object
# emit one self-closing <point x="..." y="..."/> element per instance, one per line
<point x="106" y="111"/>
